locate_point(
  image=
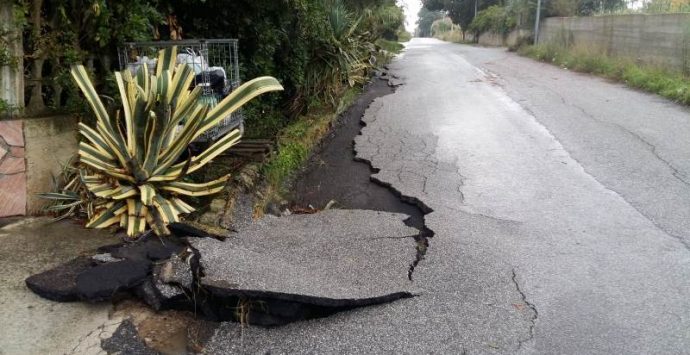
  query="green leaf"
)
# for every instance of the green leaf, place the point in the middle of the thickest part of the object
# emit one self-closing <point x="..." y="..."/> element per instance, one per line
<point x="167" y="211"/>
<point x="61" y="207"/>
<point x="223" y="144"/>
<point x="147" y="194"/>
<point x="136" y="217"/>
<point x="181" y="81"/>
<point x="236" y="99"/>
<point x="195" y="189"/>
<point x="58" y="196"/>
<point x="166" y="60"/>
<point x="81" y="77"/>
<point x="107" y="217"/>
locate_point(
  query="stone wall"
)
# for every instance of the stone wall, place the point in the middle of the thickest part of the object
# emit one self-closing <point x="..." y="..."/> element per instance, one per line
<point x="662" y="39"/>
<point x="31" y="152"/>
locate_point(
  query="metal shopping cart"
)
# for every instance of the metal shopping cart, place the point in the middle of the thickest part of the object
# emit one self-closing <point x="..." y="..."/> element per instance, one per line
<point x="215" y="64"/>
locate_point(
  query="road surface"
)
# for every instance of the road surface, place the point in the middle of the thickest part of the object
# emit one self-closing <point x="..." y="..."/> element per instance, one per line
<point x="561" y="212"/>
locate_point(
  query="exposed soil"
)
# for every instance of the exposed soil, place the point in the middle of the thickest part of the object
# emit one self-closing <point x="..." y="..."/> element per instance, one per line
<point x="332" y="173"/>
<point x="145" y="331"/>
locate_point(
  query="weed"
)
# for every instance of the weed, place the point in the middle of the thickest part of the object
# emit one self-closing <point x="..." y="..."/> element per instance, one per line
<point x="404" y="36"/>
<point x="454" y="36"/>
<point x="445" y="30"/>
<point x="7" y="110"/>
<point x="667" y="83"/>
<point x="295" y="143"/>
<point x="390" y="46"/>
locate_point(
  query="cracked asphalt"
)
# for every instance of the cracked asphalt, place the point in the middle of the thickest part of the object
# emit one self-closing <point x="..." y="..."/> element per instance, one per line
<point x="560" y="212"/>
<point x="31" y="324"/>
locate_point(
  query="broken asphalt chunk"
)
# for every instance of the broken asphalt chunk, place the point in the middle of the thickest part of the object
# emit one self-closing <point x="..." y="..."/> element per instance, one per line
<point x="335" y="259"/>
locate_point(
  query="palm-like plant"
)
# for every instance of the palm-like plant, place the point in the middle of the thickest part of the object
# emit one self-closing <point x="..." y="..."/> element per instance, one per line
<point x="339" y="57"/>
<point x="134" y="155"/>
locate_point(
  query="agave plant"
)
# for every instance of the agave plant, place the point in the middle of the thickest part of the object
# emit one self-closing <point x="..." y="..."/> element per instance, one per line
<point x="134" y="155"/>
<point x="69" y="196"/>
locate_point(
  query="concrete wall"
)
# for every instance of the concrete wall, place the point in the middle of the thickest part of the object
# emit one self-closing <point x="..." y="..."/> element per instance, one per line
<point x="515" y="35"/>
<point x="31" y="152"/>
<point x="492" y="39"/>
<point x="662" y="39"/>
<point x="50" y="143"/>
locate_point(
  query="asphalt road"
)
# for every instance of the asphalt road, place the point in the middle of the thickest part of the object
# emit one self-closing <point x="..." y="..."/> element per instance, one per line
<point x="561" y="211"/>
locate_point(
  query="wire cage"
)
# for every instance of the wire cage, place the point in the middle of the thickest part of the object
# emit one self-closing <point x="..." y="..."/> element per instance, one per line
<point x="215" y="64"/>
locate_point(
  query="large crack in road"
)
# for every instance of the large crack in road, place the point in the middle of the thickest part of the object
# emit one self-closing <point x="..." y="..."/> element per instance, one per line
<point x="335" y="172"/>
<point x="468" y="301"/>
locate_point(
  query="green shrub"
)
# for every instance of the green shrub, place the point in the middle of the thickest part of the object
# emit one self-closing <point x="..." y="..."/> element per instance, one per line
<point x="404" y="36"/>
<point x="495" y="19"/>
<point x="390" y="46"/>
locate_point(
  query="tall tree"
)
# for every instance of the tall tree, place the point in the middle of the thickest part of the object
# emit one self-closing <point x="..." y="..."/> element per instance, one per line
<point x="461" y="12"/>
<point x="425" y="18"/>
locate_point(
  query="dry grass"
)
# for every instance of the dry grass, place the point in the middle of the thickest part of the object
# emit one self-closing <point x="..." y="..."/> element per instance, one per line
<point x="454" y="36"/>
<point x="652" y="78"/>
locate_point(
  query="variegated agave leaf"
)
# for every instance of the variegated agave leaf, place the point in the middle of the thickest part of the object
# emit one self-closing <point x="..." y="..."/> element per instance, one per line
<point x="135" y="156"/>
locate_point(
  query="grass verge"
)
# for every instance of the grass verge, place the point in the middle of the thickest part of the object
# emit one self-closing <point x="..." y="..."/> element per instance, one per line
<point x="667" y="83"/>
<point x="295" y="143"/>
<point x="297" y="140"/>
<point x="454" y="36"/>
<point x="390" y="46"/>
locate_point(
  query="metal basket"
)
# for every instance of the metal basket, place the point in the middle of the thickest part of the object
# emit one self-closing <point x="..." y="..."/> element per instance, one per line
<point x="201" y="54"/>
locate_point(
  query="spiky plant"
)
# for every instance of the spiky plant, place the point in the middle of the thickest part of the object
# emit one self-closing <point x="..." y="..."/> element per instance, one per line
<point x="69" y="196"/>
<point x="340" y="57"/>
<point x="134" y="155"/>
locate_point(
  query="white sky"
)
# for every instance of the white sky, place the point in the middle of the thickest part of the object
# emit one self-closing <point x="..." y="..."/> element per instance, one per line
<point x="411" y="9"/>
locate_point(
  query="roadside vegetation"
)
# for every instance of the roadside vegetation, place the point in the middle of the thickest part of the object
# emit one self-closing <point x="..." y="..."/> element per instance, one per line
<point x="320" y="51"/>
<point x="295" y="144"/>
<point x="132" y="164"/>
<point x="670" y="84"/>
<point x="495" y="18"/>
<point x="372" y="39"/>
<point x="473" y="17"/>
<point x="445" y="30"/>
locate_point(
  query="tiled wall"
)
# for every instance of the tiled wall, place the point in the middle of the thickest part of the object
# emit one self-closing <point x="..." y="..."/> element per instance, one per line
<point x="12" y="169"/>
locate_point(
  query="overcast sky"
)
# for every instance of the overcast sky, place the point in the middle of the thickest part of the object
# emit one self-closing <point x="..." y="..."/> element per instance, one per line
<point x="411" y="9"/>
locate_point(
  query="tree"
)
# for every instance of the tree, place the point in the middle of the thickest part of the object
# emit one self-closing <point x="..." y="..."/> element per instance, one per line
<point x="461" y="12"/>
<point x="425" y="19"/>
<point x="63" y="32"/>
<point x="590" y="7"/>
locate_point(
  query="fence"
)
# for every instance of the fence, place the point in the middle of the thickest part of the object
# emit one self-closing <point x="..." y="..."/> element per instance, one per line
<point x="215" y="62"/>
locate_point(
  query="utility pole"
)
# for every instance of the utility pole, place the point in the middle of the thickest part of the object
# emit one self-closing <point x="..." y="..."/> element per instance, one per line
<point x="536" y="23"/>
<point x="475" y="8"/>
